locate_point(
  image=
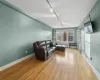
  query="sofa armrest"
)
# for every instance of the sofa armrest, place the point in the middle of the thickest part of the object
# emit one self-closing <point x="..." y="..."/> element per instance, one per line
<point x="41" y="53"/>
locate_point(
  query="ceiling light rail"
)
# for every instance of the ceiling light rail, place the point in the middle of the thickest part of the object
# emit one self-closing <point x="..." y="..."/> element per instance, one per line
<point x="52" y="10"/>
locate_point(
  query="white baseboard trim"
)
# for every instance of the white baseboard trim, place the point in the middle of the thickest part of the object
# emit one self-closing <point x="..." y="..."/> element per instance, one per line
<point x="15" y="62"/>
<point x="94" y="70"/>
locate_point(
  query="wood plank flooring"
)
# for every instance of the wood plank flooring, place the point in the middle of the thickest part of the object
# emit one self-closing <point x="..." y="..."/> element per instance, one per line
<point x="68" y="65"/>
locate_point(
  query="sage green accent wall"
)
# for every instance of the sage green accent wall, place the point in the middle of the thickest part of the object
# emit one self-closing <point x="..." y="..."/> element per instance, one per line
<point x="18" y="32"/>
<point x="95" y="37"/>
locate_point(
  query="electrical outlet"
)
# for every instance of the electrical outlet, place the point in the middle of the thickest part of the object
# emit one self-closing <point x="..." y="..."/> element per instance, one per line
<point x="26" y="52"/>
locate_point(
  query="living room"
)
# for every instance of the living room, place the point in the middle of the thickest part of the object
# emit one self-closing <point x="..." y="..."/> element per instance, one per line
<point x="47" y="40"/>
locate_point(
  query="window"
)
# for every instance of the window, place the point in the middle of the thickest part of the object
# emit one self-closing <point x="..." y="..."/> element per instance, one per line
<point x="65" y="36"/>
<point x="71" y="36"/>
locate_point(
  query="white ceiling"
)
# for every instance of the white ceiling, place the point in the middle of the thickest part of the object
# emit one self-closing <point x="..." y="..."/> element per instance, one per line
<point x="70" y="12"/>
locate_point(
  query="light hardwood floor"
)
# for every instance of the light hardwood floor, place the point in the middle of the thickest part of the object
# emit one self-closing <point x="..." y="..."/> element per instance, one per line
<point x="68" y="65"/>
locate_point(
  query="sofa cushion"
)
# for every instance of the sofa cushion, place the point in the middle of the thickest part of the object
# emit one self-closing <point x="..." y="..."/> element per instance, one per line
<point x="42" y="44"/>
<point x="48" y="46"/>
<point x="44" y="47"/>
<point x="50" y="49"/>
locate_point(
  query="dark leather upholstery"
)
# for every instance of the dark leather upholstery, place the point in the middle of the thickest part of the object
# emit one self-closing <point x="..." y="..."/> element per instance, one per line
<point x="43" y="50"/>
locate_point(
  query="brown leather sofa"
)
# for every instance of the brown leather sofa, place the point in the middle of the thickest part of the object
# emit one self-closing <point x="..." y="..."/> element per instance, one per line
<point x="43" y="49"/>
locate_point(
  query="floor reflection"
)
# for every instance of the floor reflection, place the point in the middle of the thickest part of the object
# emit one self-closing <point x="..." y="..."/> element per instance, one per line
<point x="65" y="58"/>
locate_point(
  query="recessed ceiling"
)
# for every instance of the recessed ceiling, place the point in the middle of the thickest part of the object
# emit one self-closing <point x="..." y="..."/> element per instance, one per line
<point x="70" y="12"/>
